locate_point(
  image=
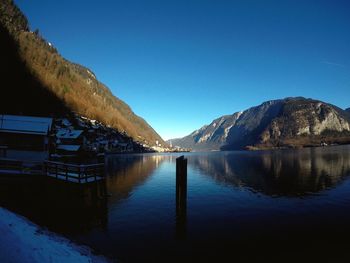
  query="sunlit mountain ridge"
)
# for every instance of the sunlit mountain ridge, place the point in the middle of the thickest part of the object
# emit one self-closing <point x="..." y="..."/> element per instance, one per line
<point x="69" y="85"/>
<point x="289" y="122"/>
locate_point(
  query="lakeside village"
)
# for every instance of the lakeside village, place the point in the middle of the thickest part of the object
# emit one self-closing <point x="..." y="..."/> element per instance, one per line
<point x="74" y="140"/>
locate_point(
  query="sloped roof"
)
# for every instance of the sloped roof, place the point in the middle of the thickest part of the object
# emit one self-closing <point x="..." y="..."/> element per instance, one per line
<point x="25" y="124"/>
<point x="68" y="134"/>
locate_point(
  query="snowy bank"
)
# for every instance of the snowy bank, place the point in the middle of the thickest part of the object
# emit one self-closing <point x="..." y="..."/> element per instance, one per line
<point x="24" y="242"/>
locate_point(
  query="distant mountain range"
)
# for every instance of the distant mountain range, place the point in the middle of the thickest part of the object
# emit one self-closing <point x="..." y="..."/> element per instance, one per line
<point x="289" y="122"/>
<point x="39" y="81"/>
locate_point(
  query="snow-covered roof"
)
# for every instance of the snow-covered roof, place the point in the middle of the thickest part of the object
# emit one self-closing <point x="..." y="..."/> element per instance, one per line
<point x="66" y="122"/>
<point x="68" y="147"/>
<point x="68" y="134"/>
<point x="25" y="124"/>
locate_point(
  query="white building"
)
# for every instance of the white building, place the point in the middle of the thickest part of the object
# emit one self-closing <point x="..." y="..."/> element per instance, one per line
<point x="69" y="141"/>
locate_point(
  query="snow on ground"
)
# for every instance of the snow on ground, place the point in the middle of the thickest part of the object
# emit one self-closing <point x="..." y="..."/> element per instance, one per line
<point x="24" y="242"/>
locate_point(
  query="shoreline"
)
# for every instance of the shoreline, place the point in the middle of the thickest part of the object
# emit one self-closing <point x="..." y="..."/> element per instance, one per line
<point x="25" y="242"/>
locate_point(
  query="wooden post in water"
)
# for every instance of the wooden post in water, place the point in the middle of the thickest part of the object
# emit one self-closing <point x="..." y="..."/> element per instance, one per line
<point x="181" y="196"/>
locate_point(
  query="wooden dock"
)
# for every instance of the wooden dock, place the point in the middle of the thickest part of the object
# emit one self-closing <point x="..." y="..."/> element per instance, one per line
<point x="75" y="173"/>
<point x="84" y="173"/>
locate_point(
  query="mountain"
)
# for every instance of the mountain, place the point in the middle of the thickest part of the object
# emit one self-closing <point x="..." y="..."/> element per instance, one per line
<point x="347" y="110"/>
<point x="17" y="79"/>
<point x="71" y="86"/>
<point x="20" y="88"/>
<point x="289" y="122"/>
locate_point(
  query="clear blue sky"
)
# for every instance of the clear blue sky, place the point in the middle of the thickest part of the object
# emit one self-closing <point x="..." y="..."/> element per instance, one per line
<point x="180" y="64"/>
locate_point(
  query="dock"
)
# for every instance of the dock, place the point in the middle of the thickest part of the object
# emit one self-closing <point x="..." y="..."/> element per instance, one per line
<point x="75" y="173"/>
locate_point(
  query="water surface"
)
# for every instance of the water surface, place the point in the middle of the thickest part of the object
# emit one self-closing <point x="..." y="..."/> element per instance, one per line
<point x="288" y="205"/>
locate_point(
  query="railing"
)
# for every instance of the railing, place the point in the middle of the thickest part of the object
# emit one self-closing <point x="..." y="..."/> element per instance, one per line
<point x="75" y="173"/>
<point x="68" y="172"/>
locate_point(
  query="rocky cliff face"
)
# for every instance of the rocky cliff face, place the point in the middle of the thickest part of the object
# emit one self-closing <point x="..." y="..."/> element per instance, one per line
<point x="290" y="122"/>
<point x="209" y="137"/>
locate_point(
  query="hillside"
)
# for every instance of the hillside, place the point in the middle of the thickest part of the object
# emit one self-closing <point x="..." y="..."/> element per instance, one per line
<point x="73" y="86"/>
<point x="290" y="122"/>
<point x="20" y="88"/>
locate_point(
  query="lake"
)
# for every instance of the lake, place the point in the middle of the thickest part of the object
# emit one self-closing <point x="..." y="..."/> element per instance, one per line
<point x="282" y="206"/>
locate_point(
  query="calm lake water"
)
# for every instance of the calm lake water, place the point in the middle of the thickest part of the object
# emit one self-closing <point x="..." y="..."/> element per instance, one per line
<point x="283" y="206"/>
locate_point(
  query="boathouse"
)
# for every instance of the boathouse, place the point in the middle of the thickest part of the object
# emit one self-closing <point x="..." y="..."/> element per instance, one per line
<point x="25" y="137"/>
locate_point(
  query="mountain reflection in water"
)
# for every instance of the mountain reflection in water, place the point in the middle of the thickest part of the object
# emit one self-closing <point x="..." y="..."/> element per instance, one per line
<point x="125" y="172"/>
<point x="281" y="173"/>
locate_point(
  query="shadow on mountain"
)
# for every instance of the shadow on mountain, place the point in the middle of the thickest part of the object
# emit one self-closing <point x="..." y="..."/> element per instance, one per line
<point x="251" y="125"/>
<point x="23" y="93"/>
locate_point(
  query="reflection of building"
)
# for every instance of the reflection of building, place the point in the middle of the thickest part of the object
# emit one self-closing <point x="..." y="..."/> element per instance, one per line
<point x="25" y="137"/>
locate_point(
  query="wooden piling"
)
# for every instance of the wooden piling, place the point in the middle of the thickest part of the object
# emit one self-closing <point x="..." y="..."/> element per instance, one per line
<point x="181" y="196"/>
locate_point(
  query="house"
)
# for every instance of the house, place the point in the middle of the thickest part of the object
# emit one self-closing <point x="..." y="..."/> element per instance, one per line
<point x="70" y="142"/>
<point x="25" y="137"/>
<point x="67" y="136"/>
